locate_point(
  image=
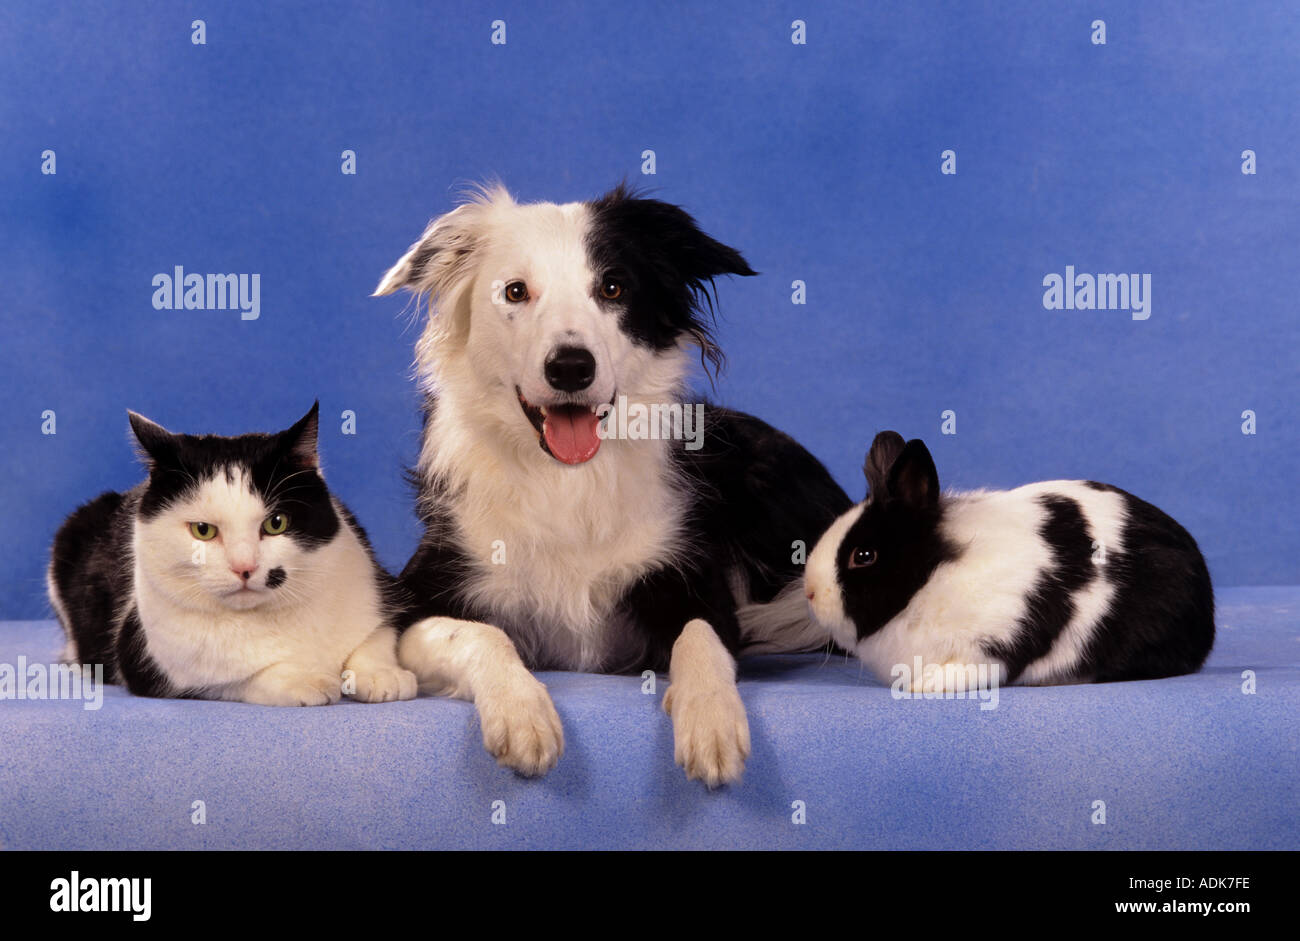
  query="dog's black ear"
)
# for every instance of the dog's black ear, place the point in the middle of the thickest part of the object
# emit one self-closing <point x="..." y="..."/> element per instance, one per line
<point x="913" y="479"/>
<point x="884" y="451"/>
<point x="444" y="252"/>
<point x="672" y="265"/>
<point x="670" y="233"/>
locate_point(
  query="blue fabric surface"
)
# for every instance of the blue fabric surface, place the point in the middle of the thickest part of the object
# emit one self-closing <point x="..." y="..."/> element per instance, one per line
<point x="1185" y="763"/>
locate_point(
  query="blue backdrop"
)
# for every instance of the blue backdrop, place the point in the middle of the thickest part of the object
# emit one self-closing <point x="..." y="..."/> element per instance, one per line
<point x="823" y="161"/>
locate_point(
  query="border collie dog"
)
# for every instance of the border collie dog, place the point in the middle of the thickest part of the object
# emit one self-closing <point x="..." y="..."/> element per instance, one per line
<point x="551" y="544"/>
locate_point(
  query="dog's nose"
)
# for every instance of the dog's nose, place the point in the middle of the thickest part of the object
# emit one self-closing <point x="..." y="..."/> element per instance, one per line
<point x="570" y="368"/>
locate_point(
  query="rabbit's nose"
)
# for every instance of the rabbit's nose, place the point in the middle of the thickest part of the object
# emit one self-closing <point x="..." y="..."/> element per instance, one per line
<point x="810" y="593"/>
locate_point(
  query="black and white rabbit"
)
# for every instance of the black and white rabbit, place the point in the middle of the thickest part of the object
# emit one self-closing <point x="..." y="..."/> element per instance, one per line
<point x="1064" y="581"/>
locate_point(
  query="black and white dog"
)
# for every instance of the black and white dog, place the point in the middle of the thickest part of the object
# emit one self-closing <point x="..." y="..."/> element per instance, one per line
<point x="553" y="544"/>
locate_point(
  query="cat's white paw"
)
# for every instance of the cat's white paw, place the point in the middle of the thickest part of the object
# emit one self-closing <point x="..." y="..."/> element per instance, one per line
<point x="301" y="689"/>
<point x="384" y="684"/>
<point x="710" y="732"/>
<point x="521" y="728"/>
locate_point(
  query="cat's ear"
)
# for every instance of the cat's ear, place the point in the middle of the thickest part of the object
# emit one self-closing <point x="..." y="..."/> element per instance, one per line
<point x="301" y="439"/>
<point x="157" y="444"/>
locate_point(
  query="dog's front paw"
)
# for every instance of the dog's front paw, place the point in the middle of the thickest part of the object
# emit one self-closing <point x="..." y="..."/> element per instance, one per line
<point x="298" y="689"/>
<point x="710" y="733"/>
<point x="384" y="684"/>
<point x="521" y="728"/>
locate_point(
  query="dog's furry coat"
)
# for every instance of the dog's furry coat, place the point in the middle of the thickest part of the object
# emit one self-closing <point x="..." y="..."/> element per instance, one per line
<point x="548" y="544"/>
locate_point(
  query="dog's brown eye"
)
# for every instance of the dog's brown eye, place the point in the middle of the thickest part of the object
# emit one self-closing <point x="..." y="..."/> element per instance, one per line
<point x="861" y="558"/>
<point x="611" y="289"/>
<point x="516" y="292"/>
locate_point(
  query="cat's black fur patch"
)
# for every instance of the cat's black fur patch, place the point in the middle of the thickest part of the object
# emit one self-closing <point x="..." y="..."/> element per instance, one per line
<point x="137" y="669"/>
<point x="275" y="578"/>
<point x="90" y="565"/>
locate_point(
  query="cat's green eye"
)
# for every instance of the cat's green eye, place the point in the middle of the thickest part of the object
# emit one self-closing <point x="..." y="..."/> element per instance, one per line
<point x="204" y="532"/>
<point x="275" y="524"/>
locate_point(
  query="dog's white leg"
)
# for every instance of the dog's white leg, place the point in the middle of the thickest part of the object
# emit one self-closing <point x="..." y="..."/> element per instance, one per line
<point x="710" y="731"/>
<point x="478" y="662"/>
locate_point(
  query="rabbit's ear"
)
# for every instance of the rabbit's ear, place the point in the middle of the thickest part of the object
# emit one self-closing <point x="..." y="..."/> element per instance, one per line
<point x="913" y="480"/>
<point x="884" y="451"/>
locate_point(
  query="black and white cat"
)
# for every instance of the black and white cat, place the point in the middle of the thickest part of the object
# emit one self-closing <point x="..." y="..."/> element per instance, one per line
<point x="231" y="573"/>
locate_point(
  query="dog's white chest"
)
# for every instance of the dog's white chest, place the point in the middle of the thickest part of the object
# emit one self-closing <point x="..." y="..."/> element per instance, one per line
<point x="552" y="557"/>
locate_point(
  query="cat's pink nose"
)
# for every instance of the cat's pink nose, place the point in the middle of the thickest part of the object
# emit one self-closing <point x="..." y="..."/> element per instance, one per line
<point x="244" y="571"/>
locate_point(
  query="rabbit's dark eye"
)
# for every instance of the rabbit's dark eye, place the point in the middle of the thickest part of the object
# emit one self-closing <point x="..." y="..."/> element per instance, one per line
<point x="861" y="558"/>
<point x="516" y="292"/>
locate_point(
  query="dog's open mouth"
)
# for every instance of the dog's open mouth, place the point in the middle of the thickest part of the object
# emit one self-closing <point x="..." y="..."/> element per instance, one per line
<point x="568" y="433"/>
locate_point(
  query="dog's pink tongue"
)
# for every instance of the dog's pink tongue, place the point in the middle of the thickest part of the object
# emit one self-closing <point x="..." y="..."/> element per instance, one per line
<point x="571" y="434"/>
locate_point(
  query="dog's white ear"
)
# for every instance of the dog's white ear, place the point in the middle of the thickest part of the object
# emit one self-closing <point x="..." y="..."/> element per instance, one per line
<point x="441" y="254"/>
